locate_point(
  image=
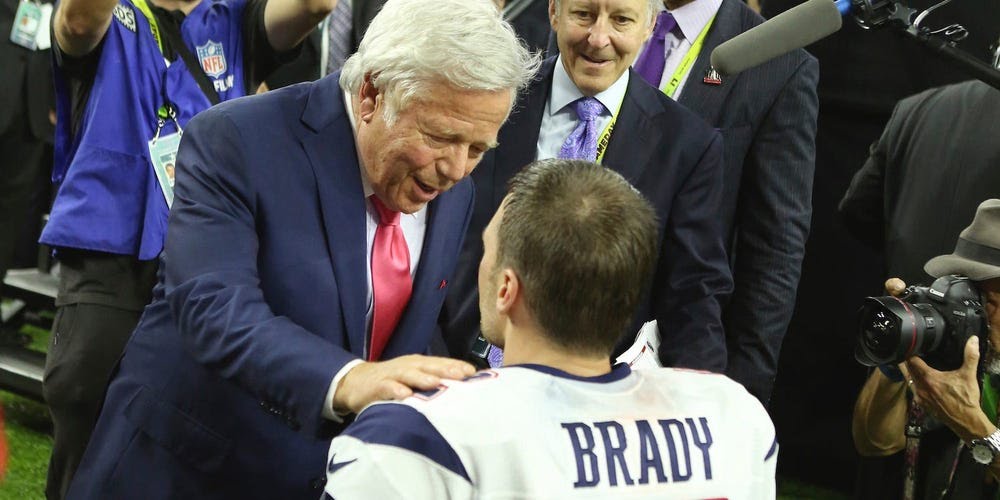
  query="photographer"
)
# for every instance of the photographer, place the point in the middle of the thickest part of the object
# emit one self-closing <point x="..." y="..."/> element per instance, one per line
<point x="943" y="422"/>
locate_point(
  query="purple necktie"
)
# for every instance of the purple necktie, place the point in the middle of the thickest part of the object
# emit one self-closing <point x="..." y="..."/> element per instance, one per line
<point x="582" y="142"/>
<point x="650" y="63"/>
<point x="495" y="357"/>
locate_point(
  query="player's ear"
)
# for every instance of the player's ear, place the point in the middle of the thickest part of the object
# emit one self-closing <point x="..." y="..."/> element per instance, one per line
<point x="509" y="291"/>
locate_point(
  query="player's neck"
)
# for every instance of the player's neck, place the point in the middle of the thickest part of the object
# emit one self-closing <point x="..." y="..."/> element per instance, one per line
<point x="530" y="348"/>
<point x="185" y="6"/>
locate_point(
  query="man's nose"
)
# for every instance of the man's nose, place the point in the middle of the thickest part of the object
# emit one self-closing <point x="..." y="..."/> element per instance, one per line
<point x="599" y="33"/>
<point x="456" y="164"/>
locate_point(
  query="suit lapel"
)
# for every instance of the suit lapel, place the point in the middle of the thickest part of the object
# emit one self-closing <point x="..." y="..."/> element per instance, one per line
<point x="626" y="148"/>
<point x="445" y="222"/>
<point x="329" y="144"/>
<point x="519" y="136"/>
<point x="704" y="99"/>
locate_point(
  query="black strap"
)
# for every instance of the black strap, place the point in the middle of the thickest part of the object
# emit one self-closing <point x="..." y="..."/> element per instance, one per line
<point x="177" y="43"/>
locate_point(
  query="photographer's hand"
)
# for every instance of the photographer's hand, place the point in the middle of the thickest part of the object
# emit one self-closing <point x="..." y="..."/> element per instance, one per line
<point x="953" y="396"/>
<point x="895" y="286"/>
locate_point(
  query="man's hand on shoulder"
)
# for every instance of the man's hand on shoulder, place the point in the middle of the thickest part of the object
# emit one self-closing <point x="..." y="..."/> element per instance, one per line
<point x="394" y="379"/>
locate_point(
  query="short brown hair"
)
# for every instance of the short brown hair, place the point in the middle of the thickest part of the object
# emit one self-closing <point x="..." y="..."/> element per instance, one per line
<point x="583" y="242"/>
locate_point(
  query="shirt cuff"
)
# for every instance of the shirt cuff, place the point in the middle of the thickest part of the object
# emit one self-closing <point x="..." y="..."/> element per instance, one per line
<point x="328" y="412"/>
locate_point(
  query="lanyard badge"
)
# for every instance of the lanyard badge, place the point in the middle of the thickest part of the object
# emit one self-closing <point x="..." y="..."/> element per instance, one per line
<point x="31" y="25"/>
<point x="163" y="152"/>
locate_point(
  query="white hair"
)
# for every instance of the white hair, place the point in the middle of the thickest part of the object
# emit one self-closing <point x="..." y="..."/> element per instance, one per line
<point x="653" y="7"/>
<point x="412" y="45"/>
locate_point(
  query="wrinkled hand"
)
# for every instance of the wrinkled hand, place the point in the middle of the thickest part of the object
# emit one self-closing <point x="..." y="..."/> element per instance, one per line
<point x="394" y="379"/>
<point x="953" y="396"/>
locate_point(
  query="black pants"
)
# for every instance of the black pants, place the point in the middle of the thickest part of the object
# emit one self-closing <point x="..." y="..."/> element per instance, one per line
<point x="101" y="297"/>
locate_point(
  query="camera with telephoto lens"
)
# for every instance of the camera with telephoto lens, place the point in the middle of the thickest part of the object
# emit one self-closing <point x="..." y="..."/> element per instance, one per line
<point x="931" y="322"/>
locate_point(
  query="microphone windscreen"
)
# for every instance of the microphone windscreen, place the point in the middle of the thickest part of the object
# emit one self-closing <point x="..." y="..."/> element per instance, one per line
<point x="793" y="29"/>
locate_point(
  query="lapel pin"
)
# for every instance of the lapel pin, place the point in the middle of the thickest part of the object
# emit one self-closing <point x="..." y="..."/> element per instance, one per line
<point x="712" y="77"/>
<point x="443" y="284"/>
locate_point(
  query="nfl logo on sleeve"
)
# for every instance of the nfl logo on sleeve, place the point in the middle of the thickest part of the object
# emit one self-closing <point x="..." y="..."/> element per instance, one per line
<point x="213" y="59"/>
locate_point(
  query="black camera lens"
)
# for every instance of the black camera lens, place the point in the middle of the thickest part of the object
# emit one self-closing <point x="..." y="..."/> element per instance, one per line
<point x="881" y="324"/>
<point x="891" y="330"/>
<point x="879" y="333"/>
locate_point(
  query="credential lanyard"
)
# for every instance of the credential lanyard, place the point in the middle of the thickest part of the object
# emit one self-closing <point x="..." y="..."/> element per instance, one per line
<point x="154" y="27"/>
<point x="178" y="45"/>
<point x="685" y="66"/>
<point x="605" y="137"/>
<point x="669" y="89"/>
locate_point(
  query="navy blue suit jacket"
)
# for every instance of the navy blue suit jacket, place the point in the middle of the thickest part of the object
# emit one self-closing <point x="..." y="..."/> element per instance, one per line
<point x="261" y="302"/>
<point x="767" y="117"/>
<point x="675" y="159"/>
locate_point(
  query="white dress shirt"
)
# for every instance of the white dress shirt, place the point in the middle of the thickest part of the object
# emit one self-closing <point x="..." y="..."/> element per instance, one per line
<point x="413" y="225"/>
<point x="691" y="19"/>
<point x="559" y="118"/>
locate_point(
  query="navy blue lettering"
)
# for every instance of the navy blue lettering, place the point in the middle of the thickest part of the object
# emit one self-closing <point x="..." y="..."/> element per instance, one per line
<point x="702" y="445"/>
<point x="675" y="468"/>
<point x="649" y="454"/>
<point x="584" y="453"/>
<point x="615" y="454"/>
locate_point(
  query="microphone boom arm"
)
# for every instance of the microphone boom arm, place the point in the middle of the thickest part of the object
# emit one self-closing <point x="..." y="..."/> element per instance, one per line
<point x="878" y="13"/>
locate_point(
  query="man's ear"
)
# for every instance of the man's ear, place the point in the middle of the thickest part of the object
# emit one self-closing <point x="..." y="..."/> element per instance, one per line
<point x="509" y="291"/>
<point x="553" y="16"/>
<point x="368" y="100"/>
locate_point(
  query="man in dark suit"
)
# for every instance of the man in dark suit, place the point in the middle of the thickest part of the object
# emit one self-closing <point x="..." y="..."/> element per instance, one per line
<point x="26" y="101"/>
<point x="767" y="117"/>
<point x="666" y="151"/>
<point x="934" y="164"/>
<point x="864" y="74"/>
<point x="269" y="325"/>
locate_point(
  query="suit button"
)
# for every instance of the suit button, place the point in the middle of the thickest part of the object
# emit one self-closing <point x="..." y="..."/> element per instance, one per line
<point x="318" y="483"/>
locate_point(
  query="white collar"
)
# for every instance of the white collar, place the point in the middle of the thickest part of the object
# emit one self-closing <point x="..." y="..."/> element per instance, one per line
<point x="692" y="17"/>
<point x="349" y="109"/>
<point x="564" y="91"/>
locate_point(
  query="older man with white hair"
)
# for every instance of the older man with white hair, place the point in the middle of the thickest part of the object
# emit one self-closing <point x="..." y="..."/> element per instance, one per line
<point x="311" y="242"/>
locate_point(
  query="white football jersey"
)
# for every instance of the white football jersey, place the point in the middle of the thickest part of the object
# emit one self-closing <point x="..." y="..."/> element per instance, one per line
<point x="534" y="432"/>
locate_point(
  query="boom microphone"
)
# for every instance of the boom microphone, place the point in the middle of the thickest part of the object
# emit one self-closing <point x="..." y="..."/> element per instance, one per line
<point x="790" y="30"/>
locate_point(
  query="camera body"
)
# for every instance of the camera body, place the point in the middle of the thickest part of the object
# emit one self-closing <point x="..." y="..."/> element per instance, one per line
<point x="931" y="322"/>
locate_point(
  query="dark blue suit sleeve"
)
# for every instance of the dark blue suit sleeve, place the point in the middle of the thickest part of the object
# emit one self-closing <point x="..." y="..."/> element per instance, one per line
<point x="772" y="224"/>
<point x="693" y="280"/>
<point x="212" y="283"/>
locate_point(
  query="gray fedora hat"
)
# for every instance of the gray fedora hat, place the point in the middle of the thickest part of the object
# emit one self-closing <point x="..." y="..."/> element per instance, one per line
<point x="977" y="253"/>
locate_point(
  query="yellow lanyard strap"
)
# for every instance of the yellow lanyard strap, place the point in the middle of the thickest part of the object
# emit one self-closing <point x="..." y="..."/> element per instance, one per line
<point x="602" y="140"/>
<point x="669" y="89"/>
<point x="153" y="27"/>
<point x="682" y="69"/>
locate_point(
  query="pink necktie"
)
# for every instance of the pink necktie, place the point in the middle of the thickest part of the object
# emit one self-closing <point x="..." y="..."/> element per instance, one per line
<point x="391" y="283"/>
